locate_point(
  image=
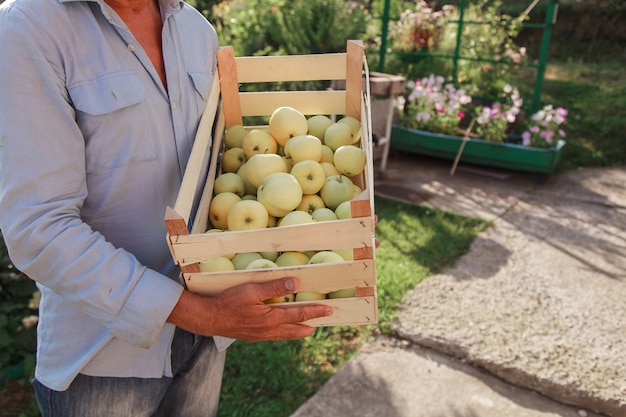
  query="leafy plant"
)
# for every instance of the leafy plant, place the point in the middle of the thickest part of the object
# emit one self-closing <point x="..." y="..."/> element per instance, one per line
<point x="545" y="127"/>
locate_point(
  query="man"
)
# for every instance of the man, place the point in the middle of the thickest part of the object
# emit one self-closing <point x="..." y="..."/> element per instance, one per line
<point x="99" y="103"/>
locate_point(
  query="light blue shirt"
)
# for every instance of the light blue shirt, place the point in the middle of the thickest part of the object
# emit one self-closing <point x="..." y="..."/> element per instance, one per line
<point x="92" y="151"/>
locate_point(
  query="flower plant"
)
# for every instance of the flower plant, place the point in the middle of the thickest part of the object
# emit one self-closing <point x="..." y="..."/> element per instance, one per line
<point x="420" y="28"/>
<point x="545" y="127"/>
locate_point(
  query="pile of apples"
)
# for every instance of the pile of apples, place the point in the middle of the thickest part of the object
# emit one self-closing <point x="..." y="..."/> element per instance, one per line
<point x="296" y="171"/>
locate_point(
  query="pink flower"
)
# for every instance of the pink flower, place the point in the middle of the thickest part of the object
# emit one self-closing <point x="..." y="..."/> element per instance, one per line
<point x="526" y="138"/>
<point x="460" y="115"/>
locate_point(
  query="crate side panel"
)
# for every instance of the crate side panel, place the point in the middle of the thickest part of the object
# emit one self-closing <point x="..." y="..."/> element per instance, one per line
<point x="307" y="102"/>
<point x="311" y="67"/>
<point x="346" y="311"/>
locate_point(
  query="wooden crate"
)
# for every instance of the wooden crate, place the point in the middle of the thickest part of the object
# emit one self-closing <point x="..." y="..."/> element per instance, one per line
<point x="188" y="220"/>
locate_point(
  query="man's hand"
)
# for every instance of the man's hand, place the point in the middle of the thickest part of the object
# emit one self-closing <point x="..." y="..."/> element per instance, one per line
<point x="240" y="313"/>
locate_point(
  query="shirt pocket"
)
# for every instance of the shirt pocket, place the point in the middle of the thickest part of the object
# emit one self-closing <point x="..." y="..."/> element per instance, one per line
<point x="112" y="115"/>
<point x="201" y="81"/>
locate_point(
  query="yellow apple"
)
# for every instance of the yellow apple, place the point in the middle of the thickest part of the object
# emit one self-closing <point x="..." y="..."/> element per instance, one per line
<point x="289" y="298"/>
<point x="337" y="134"/>
<point x="229" y="182"/>
<point x="318" y="125"/>
<point x="248" y="197"/>
<point x="280" y="193"/>
<point x="219" y="263"/>
<point x="327" y="154"/>
<point x="292" y="258"/>
<point x="329" y="169"/>
<point x="233" y="136"/>
<point x="357" y="190"/>
<point x="323" y="214"/>
<point x="247" y="215"/>
<point x="355" y="127"/>
<point x="219" y="208"/>
<point x="343" y="293"/>
<point x="325" y="257"/>
<point x="233" y="159"/>
<point x="258" y="141"/>
<point x="272" y="222"/>
<point x="347" y="254"/>
<point x="310" y="296"/>
<point x="336" y="190"/>
<point x="286" y="122"/>
<point x="349" y="160"/>
<point x="296" y="217"/>
<point x="344" y="210"/>
<point x="310" y="203"/>
<point x="303" y="147"/>
<point x="241" y="260"/>
<point x="310" y="175"/>
<point x="242" y="172"/>
<point x="261" y="264"/>
<point x="270" y="255"/>
<point x="259" y="166"/>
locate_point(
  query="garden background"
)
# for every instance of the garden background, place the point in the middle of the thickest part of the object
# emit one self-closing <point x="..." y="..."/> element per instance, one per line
<point x="586" y="74"/>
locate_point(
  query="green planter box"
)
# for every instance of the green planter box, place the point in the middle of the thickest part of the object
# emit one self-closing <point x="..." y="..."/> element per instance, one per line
<point x="477" y="151"/>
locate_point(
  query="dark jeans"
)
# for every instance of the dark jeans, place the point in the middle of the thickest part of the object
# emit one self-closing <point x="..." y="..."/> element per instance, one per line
<point x="193" y="391"/>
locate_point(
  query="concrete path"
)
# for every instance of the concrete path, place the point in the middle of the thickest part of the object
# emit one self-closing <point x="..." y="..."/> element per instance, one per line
<point x="531" y="322"/>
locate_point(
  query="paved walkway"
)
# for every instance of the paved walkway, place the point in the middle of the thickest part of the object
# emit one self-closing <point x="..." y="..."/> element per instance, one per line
<point x="531" y="322"/>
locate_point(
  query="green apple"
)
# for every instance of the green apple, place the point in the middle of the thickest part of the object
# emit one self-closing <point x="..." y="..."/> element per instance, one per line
<point x="286" y="122"/>
<point x="243" y="173"/>
<point x="310" y="175"/>
<point x="338" y="134"/>
<point x="336" y="190"/>
<point x="347" y="254"/>
<point x="219" y="208"/>
<point x="233" y="159"/>
<point x="234" y="136"/>
<point x="296" y="217"/>
<point x="241" y="260"/>
<point x="280" y="193"/>
<point x="327" y="154"/>
<point x="303" y="147"/>
<point x="355" y="127"/>
<point x="356" y="190"/>
<point x="325" y="257"/>
<point x="289" y="298"/>
<point x="329" y="169"/>
<point x="292" y="258"/>
<point x="310" y="203"/>
<point x="344" y="210"/>
<point x="318" y="125"/>
<point x="349" y="160"/>
<point x="269" y="255"/>
<point x="258" y="141"/>
<point x="261" y="264"/>
<point x="247" y="215"/>
<point x="229" y="182"/>
<point x="323" y="214"/>
<point x="219" y="263"/>
<point x="344" y="293"/>
<point x="310" y="296"/>
<point x="260" y="166"/>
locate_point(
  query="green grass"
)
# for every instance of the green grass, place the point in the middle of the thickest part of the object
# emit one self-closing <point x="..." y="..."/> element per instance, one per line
<point x="274" y="379"/>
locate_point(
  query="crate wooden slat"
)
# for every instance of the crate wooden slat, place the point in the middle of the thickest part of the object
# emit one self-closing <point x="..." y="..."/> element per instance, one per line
<point x="188" y="221"/>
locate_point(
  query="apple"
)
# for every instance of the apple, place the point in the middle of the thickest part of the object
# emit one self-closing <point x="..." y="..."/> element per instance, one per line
<point x="355" y="127"/>
<point x="220" y="206"/>
<point x="336" y="190"/>
<point x="325" y="257"/>
<point x="259" y="166"/>
<point x="343" y="293"/>
<point x="289" y="298"/>
<point x="296" y="217"/>
<point x="323" y="214"/>
<point x="247" y="215"/>
<point x="229" y="182"/>
<point x="242" y="172"/>
<point x="327" y="154"/>
<point x="219" y="263"/>
<point x="234" y="136"/>
<point x="310" y="175"/>
<point x="233" y="159"/>
<point x="330" y="169"/>
<point x="349" y="160"/>
<point x="292" y="258"/>
<point x="310" y="296"/>
<point x="347" y="254"/>
<point x="286" y="122"/>
<point x="272" y="222"/>
<point x="357" y="190"/>
<point x="261" y="264"/>
<point x="270" y="255"/>
<point x="303" y="147"/>
<point x="318" y="125"/>
<point x="280" y="193"/>
<point x="258" y="141"/>
<point x="241" y="260"/>
<point x="337" y="134"/>
<point x="310" y="203"/>
<point x="344" y="210"/>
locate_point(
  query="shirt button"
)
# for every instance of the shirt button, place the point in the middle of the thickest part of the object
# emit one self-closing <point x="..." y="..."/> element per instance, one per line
<point x="131" y="47"/>
<point x="174" y="105"/>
